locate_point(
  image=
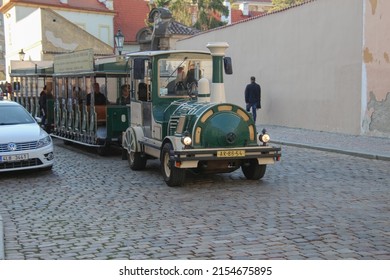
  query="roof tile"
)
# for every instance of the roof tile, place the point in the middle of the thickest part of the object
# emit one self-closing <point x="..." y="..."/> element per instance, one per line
<point x="180" y="29"/>
<point x="131" y="17"/>
<point x="90" y="5"/>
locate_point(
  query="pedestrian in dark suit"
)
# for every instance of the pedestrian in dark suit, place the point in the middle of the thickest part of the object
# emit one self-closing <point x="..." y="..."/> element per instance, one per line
<point x="253" y="97"/>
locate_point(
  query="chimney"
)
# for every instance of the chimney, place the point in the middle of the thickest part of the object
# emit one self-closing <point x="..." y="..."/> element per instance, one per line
<point x="244" y="7"/>
<point x="217" y="50"/>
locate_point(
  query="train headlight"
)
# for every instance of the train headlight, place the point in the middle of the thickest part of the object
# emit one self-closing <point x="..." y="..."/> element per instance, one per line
<point x="186" y="140"/>
<point x="264" y="137"/>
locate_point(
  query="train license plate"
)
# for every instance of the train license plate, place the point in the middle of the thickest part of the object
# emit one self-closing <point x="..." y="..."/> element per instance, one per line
<point x="13" y="157"/>
<point x="231" y="153"/>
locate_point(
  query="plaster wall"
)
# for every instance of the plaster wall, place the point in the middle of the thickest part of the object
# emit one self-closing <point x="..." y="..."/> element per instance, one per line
<point x="59" y="34"/>
<point x="376" y="65"/>
<point x="29" y="33"/>
<point x="99" y="25"/>
<point x="307" y="59"/>
<point x="22" y="28"/>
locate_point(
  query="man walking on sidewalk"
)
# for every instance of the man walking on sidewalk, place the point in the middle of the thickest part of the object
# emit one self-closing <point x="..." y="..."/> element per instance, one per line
<point x="253" y="97"/>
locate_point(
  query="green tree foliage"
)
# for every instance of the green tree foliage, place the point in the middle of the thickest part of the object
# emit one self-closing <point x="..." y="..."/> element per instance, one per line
<point x="208" y="16"/>
<point x="282" y="4"/>
<point x="162" y="3"/>
<point x="181" y="11"/>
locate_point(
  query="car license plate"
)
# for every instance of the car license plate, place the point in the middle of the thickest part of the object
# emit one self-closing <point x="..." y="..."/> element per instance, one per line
<point x="231" y="153"/>
<point x="13" y="157"/>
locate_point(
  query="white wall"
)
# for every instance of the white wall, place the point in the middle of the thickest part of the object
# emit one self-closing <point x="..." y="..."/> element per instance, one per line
<point x="29" y="33"/>
<point x="22" y="30"/>
<point x="99" y="25"/>
<point x="308" y="60"/>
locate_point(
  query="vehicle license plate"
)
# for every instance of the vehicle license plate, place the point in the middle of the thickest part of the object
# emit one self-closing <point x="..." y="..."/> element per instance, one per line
<point x="13" y="157"/>
<point x="231" y="153"/>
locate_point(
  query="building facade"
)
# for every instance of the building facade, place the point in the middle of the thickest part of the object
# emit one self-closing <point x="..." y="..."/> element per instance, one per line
<point x="43" y="28"/>
<point x="318" y="70"/>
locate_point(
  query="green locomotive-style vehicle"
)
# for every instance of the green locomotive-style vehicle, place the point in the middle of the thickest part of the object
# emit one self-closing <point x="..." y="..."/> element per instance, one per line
<point x="185" y="122"/>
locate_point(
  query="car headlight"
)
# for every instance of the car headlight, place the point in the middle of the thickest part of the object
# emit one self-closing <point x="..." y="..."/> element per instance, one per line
<point x="43" y="142"/>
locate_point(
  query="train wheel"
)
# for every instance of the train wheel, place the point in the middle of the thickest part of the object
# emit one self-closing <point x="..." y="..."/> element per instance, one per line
<point x="104" y="150"/>
<point x="173" y="176"/>
<point x="66" y="142"/>
<point x="254" y="171"/>
<point x="124" y="154"/>
<point x="136" y="160"/>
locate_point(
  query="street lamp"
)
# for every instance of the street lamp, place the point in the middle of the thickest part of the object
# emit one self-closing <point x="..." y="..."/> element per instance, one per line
<point x="119" y="40"/>
<point x="21" y="55"/>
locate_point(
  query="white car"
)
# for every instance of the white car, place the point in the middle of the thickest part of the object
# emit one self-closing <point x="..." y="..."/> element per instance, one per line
<point x="23" y="143"/>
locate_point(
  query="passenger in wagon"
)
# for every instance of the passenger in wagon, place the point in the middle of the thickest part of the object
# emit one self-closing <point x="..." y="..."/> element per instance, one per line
<point x="100" y="99"/>
<point x="77" y="95"/>
<point x="125" y="95"/>
<point x="180" y="78"/>
<point x="191" y="78"/>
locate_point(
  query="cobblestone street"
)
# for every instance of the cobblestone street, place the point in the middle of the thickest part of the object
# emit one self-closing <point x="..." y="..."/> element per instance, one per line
<point x="311" y="205"/>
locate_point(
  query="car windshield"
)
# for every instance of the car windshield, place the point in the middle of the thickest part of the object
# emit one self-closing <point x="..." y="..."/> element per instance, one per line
<point x="12" y="115"/>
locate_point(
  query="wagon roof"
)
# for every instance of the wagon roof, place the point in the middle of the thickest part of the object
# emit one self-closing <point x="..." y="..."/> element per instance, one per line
<point x="157" y="53"/>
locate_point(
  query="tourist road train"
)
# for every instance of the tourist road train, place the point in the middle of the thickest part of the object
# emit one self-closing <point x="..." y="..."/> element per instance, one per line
<point x="177" y="112"/>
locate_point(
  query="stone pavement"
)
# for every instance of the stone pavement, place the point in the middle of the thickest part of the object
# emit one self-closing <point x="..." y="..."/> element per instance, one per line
<point x="360" y="146"/>
<point x="376" y="148"/>
<point x="1" y="239"/>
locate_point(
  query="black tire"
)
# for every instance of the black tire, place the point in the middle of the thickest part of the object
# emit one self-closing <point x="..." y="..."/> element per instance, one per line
<point x="137" y="161"/>
<point x="173" y="176"/>
<point x="66" y="142"/>
<point x="254" y="171"/>
<point x="104" y="150"/>
<point x="124" y="154"/>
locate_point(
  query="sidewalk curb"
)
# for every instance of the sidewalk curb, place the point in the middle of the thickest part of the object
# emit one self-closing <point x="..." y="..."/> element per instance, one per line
<point x="1" y="239"/>
<point x="334" y="150"/>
